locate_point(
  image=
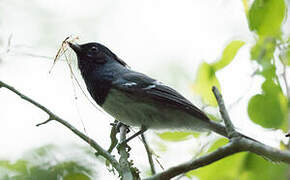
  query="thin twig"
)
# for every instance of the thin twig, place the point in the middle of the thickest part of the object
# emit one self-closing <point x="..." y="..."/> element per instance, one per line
<point x="9" y="43"/>
<point x="31" y="55"/>
<point x="44" y="122"/>
<point x="53" y="116"/>
<point x="149" y="154"/>
<point x="228" y="123"/>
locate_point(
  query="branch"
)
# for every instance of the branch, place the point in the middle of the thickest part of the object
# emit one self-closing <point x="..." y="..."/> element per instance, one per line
<point x="53" y="116"/>
<point x="220" y="153"/>
<point x="238" y="143"/>
<point x="149" y="154"/>
<point x="228" y="123"/>
<point x="125" y="164"/>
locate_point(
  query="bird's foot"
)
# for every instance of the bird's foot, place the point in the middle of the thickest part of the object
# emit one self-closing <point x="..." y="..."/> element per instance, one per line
<point x="118" y="124"/>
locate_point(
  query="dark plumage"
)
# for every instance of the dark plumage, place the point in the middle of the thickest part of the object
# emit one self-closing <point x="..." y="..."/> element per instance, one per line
<point x="134" y="98"/>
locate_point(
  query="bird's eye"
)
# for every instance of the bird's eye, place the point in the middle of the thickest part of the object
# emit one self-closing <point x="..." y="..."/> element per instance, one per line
<point x="94" y="49"/>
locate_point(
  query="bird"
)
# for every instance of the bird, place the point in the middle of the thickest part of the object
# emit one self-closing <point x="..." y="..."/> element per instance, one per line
<point x="134" y="98"/>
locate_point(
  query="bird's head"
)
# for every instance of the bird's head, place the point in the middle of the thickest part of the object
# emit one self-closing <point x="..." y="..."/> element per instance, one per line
<point x="94" y="53"/>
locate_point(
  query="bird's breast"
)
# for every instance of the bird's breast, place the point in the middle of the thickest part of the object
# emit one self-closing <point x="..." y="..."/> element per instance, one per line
<point x="134" y="111"/>
<point x="122" y="108"/>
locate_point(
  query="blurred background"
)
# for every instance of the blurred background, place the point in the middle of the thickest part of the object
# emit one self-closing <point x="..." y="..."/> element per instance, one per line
<point x="189" y="45"/>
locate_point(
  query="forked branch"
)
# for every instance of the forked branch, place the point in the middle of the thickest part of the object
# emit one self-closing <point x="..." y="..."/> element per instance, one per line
<point x="237" y="144"/>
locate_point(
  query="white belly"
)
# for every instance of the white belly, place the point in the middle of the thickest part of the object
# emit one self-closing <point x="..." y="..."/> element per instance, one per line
<point x="132" y="112"/>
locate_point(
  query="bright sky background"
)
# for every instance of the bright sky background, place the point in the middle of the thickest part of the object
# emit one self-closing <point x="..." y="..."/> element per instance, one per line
<point x="152" y="36"/>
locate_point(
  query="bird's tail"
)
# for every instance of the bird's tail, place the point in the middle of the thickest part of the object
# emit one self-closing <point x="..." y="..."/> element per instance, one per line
<point x="218" y="128"/>
<point x="221" y="129"/>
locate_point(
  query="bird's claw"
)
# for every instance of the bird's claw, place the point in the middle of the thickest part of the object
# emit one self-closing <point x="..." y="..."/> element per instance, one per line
<point x="118" y="125"/>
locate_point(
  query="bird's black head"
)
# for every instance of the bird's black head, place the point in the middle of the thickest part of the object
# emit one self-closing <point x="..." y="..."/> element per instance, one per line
<point x="98" y="65"/>
<point x="95" y="53"/>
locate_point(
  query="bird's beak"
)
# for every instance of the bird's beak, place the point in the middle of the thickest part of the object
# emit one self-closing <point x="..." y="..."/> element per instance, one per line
<point x="77" y="48"/>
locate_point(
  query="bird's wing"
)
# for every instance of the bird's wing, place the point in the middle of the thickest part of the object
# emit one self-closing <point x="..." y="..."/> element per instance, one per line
<point x="147" y="89"/>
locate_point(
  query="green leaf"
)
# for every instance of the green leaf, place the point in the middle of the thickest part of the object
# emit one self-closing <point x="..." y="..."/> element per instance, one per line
<point x="269" y="73"/>
<point x="43" y="150"/>
<point x="229" y="53"/>
<point x="217" y="144"/>
<point x="38" y="164"/>
<point x="255" y="167"/>
<point x="263" y="51"/>
<point x="270" y="108"/>
<point x="76" y="176"/>
<point x="206" y="78"/>
<point x="270" y="87"/>
<point x="176" y="136"/>
<point x="19" y="166"/>
<point x="39" y="172"/>
<point x="266" y="16"/>
<point x="70" y="167"/>
<point x="214" y="117"/>
<point x="226" y="169"/>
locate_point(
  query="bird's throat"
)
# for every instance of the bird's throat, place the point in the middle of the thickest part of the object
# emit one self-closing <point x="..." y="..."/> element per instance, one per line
<point x="97" y="83"/>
